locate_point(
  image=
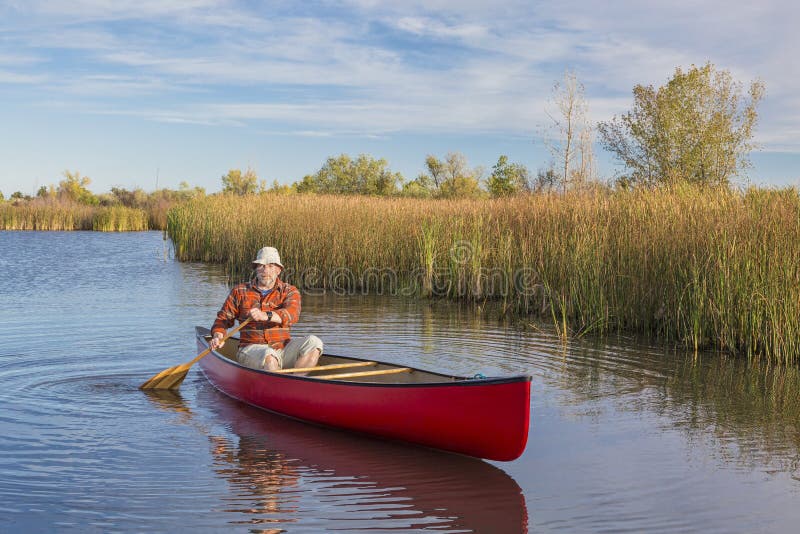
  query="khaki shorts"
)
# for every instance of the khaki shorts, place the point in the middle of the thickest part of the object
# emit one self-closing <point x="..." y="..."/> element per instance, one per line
<point x="255" y="355"/>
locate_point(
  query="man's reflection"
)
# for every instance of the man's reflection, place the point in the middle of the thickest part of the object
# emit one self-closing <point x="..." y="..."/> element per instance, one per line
<point x="284" y="471"/>
<point x="261" y="475"/>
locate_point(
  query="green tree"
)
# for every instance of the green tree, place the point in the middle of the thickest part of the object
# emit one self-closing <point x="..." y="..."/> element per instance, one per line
<point x="452" y="177"/>
<point x="131" y="199"/>
<point x="546" y="180"/>
<point x="436" y="169"/>
<point x="75" y="187"/>
<point x="280" y="189"/>
<point x="420" y="187"/>
<point x="697" y="128"/>
<point x="241" y="184"/>
<point x="306" y="185"/>
<point x="344" y="175"/>
<point x="507" y="178"/>
<point x="107" y="199"/>
<point x="461" y="187"/>
<point x="2" y="197"/>
<point x="185" y="191"/>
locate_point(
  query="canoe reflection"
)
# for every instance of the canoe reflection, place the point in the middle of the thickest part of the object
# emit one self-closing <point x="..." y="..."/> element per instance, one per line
<point x="284" y="471"/>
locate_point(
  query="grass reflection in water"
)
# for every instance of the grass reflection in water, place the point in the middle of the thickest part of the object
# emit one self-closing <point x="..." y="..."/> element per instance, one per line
<point x="748" y="410"/>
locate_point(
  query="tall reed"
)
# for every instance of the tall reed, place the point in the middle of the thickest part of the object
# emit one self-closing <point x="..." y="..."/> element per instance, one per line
<point x="709" y="268"/>
<point x="46" y="216"/>
<point x="66" y="216"/>
<point x="120" y="219"/>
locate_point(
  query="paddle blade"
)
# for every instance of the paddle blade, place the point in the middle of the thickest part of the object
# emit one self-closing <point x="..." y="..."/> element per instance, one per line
<point x="171" y="378"/>
<point x="168" y="378"/>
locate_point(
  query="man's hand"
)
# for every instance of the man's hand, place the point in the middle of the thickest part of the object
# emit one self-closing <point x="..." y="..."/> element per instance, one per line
<point x="258" y="315"/>
<point x="216" y="341"/>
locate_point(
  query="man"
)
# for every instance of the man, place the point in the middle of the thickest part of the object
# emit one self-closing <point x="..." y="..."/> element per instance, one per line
<point x="273" y="305"/>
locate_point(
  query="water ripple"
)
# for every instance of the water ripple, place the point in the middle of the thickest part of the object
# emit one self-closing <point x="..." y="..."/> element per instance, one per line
<point x="625" y="436"/>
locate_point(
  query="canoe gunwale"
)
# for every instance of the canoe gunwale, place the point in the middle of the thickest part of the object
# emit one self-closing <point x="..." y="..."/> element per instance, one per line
<point x="452" y="380"/>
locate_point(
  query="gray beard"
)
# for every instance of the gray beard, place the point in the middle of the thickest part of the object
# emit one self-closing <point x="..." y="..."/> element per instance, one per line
<point x="266" y="284"/>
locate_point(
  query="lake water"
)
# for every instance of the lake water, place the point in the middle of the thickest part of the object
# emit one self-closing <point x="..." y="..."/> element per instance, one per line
<point x="624" y="437"/>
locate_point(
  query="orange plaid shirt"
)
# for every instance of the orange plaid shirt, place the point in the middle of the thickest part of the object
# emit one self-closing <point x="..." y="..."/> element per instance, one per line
<point x="283" y="300"/>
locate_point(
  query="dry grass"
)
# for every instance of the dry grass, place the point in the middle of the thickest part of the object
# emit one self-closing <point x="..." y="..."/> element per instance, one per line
<point x="707" y="268"/>
<point x="71" y="216"/>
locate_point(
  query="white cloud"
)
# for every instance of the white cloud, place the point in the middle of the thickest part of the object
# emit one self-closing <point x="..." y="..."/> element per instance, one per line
<point x="456" y="66"/>
<point x="116" y="9"/>
<point x="20" y="78"/>
<point x="434" y="28"/>
<point x="20" y="59"/>
<point x="118" y="86"/>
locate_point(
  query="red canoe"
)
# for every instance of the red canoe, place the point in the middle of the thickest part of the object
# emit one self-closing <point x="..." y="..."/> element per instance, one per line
<point x="482" y="417"/>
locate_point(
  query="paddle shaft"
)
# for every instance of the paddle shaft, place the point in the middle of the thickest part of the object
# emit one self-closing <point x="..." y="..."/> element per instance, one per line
<point x="224" y="338"/>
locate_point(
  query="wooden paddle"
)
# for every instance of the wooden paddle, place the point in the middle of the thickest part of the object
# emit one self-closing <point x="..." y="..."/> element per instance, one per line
<point x="171" y="378"/>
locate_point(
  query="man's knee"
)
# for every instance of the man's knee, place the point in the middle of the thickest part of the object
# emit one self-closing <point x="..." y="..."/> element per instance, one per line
<point x="313" y="343"/>
<point x="271" y="363"/>
<point x="310" y="352"/>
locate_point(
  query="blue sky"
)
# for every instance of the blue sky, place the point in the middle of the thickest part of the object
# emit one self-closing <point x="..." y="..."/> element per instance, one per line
<point x="137" y="92"/>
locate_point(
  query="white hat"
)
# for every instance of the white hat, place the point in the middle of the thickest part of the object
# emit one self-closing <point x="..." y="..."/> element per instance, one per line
<point x="268" y="255"/>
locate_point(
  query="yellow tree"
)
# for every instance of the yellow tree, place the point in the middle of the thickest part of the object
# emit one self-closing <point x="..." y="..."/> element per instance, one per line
<point x="697" y="128"/>
<point x="75" y="187"/>
<point x="451" y="177"/>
